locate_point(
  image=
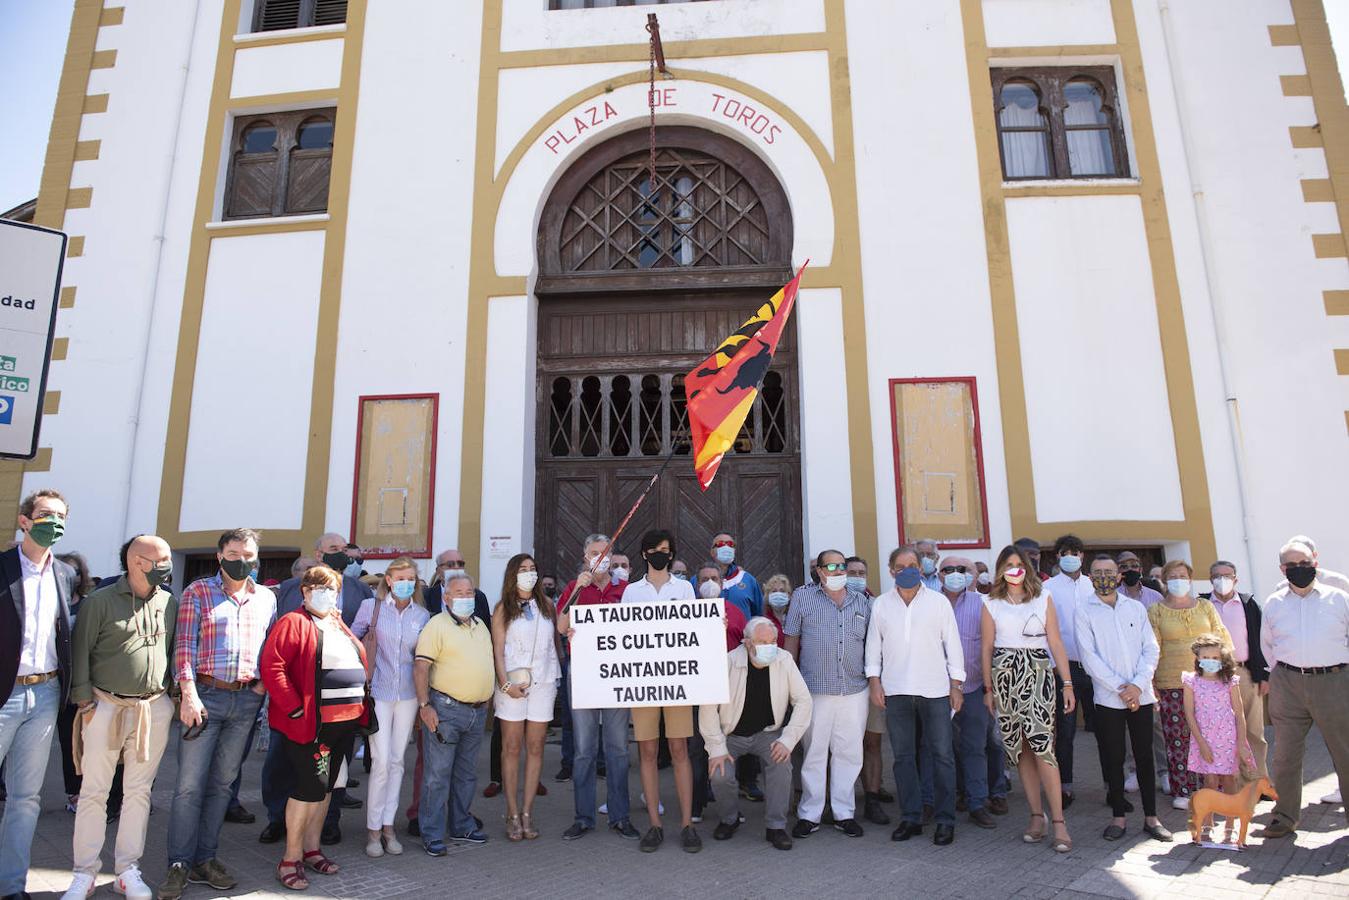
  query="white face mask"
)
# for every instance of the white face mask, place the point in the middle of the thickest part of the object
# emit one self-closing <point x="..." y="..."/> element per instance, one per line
<point x="835" y="582"/>
<point x="779" y="599"/>
<point x="601" y="566"/>
<point x="452" y="573"/>
<point x="525" y="581"/>
<point x="709" y="589"/>
<point x="322" y="600"/>
<point x="618" y="573"/>
<point x="1178" y="587"/>
<point x="1222" y="585"/>
<point x="985" y="579"/>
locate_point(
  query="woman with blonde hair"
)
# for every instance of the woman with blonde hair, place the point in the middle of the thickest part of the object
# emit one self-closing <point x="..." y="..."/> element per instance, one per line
<point x="777" y="592"/>
<point x="390" y="623"/>
<point x="524" y="644"/>
<point x="1020" y="629"/>
<point x="1178" y="621"/>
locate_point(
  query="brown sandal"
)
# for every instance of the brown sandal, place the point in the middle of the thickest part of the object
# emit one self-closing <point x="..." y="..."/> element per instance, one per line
<point x="513" y="830"/>
<point x="1038" y="835"/>
<point x="1062" y="845"/>
<point x="315" y="860"/>
<point x="290" y="872"/>
<point x="527" y="826"/>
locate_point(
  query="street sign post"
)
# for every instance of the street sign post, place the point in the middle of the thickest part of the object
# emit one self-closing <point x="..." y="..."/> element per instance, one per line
<point x="30" y="285"/>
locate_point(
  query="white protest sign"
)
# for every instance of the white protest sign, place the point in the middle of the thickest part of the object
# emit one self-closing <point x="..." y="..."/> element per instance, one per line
<point x="30" y="282"/>
<point x="650" y="653"/>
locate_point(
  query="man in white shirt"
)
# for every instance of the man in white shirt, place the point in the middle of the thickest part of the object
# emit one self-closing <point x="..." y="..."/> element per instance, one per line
<point x="1304" y="635"/>
<point x="1070" y="590"/>
<point x="1119" y="653"/>
<point x="1323" y="575"/>
<point x="915" y="668"/>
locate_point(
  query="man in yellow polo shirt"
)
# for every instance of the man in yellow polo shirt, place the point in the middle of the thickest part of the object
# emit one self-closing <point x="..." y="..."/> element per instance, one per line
<point x="454" y="677"/>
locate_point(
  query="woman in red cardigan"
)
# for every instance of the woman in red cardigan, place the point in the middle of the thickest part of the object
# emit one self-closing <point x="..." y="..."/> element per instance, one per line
<point x="314" y="671"/>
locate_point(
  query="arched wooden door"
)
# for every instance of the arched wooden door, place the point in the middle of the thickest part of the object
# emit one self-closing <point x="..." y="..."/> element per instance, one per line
<point x="636" y="287"/>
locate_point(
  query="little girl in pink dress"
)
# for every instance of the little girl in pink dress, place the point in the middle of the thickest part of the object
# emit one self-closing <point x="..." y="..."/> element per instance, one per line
<point x="1214" y="713"/>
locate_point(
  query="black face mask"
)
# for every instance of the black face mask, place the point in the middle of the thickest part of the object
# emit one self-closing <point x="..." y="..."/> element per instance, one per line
<point x="237" y="569"/>
<point x="1300" y="576"/>
<point x="658" y="560"/>
<point x="337" y="560"/>
<point x="1131" y="577"/>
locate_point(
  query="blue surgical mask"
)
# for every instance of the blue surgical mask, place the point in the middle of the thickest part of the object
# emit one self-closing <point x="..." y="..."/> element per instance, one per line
<point x="857" y="583"/>
<point x="322" y="600"/>
<point x="929" y="565"/>
<point x="463" y="607"/>
<point x="955" y="581"/>
<point x="908" y="578"/>
<point x="1211" y="666"/>
<point x="353" y="570"/>
<point x="1178" y="587"/>
<point x="764" y="654"/>
<point x="725" y="555"/>
<point x="779" y="599"/>
<point x="1069" y="563"/>
<point x="404" y="590"/>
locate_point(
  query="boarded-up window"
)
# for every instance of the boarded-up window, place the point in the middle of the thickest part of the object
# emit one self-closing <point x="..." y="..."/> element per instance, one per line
<point x="939" y="468"/>
<point x="395" y="475"/>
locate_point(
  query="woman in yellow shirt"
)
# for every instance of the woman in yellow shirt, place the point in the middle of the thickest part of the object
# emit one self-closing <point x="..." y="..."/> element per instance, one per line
<point x="1177" y="621"/>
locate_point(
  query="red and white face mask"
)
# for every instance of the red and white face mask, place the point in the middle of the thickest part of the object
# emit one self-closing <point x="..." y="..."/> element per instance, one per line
<point x="1014" y="575"/>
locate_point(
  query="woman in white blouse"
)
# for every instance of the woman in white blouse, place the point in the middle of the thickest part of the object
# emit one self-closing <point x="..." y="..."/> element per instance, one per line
<point x="524" y="643"/>
<point x="1020" y="629"/>
<point x="392" y="620"/>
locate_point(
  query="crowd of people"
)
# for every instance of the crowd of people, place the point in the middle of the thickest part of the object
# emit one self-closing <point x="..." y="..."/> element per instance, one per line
<point x="970" y="671"/>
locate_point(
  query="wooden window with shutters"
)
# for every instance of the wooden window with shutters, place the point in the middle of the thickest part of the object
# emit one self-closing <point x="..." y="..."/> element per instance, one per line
<point x="277" y="15"/>
<point x="280" y="164"/>
<point x="1059" y="123"/>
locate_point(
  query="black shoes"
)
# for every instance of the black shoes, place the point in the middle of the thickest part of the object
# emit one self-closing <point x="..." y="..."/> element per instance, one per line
<point x="724" y="831"/>
<point x="652" y="840"/>
<point x="239" y="816"/>
<point x="1158" y="832"/>
<point x="905" y="831"/>
<point x="577" y="830"/>
<point x="689" y="840"/>
<point x="275" y="831"/>
<point x="804" y="828"/>
<point x="1068" y="799"/>
<point x="330" y="835"/>
<point x="849" y="827"/>
<point x="884" y="796"/>
<point x="625" y="830"/>
<point x="1113" y="832"/>
<point x="778" y="838"/>
<point x="872" y="811"/>
<point x="414" y="828"/>
<point x="943" y="835"/>
<point x="997" y="806"/>
<point x="983" y="819"/>
<point x="563" y="774"/>
<point x="752" y="792"/>
<point x="349" y="802"/>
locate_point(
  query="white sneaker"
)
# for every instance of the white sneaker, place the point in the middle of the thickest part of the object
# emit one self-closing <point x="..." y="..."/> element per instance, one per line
<point x="660" y="807"/>
<point x="1332" y="797"/>
<point x="131" y="885"/>
<point x="1131" y="783"/>
<point x="1180" y="802"/>
<point x="81" y="886"/>
<point x="1164" y="783"/>
<point x="604" y="809"/>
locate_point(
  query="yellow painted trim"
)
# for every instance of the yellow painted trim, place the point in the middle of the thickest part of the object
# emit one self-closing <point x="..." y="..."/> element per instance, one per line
<point x="60" y="347"/>
<point x="294" y="36"/>
<point x="1305" y="137"/>
<point x="1327" y="93"/>
<point x="1342" y="362"/>
<point x="75" y="246"/>
<point x="111" y="15"/>
<point x="67" y="297"/>
<point x="96" y="103"/>
<point x="322" y="389"/>
<point x="86" y="150"/>
<point x="51" y="403"/>
<point x="40" y="463"/>
<point x="1337" y="303"/>
<point x="1296" y="85"/>
<point x="674" y="50"/>
<point x="845" y="271"/>
<point x="317" y="98"/>
<point x="79" y="198"/>
<point x="1329" y="246"/>
<point x="1055" y="51"/>
<point x="103" y="59"/>
<point x="1197" y="527"/>
<point x="1083" y="189"/>
<point x="1284" y="35"/>
<point x="1318" y="190"/>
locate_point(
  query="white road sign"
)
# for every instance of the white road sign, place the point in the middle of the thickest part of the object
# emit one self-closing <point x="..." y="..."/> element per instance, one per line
<point x="30" y="282"/>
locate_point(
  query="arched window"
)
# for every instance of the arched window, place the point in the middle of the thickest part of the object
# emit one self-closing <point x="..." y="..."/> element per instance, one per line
<point x="311" y="162"/>
<point x="280" y="164"/>
<point x="1023" y="128"/>
<point x="1087" y="126"/>
<point x="714" y="206"/>
<point x="254" y="170"/>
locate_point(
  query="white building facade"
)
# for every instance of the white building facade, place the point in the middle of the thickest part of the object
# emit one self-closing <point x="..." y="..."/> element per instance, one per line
<point x="394" y="269"/>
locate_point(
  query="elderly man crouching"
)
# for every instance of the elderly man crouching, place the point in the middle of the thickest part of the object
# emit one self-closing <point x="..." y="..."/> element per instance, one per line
<point x="763" y="682"/>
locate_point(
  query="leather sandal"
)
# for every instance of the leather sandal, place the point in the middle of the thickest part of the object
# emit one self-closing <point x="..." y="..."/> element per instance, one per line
<point x="527" y="826"/>
<point x="1038" y="835"/>
<point x="315" y="860"/>
<point x="290" y="872"/>
<point x="1062" y="845"/>
<point x="513" y="830"/>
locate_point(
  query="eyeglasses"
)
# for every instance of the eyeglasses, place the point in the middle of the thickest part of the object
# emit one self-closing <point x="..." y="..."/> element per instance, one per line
<point x="947" y="570"/>
<point x="834" y="567"/>
<point x="723" y="543"/>
<point x="1034" y="627"/>
<point x="451" y="564"/>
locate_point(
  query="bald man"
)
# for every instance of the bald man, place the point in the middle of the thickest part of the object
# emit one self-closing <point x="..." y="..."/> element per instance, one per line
<point x="121" y="667"/>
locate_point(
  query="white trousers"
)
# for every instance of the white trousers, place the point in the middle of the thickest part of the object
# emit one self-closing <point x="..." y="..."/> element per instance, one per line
<point x="387" y="747"/>
<point x="837" y="724"/>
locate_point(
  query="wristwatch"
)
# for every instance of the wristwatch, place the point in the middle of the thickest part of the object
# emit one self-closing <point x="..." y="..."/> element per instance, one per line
<point x="424" y="704"/>
<point x="506" y="687"/>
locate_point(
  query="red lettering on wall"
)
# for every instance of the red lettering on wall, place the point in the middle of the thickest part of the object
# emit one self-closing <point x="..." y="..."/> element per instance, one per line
<point x="747" y="117"/>
<point x="590" y="117"/>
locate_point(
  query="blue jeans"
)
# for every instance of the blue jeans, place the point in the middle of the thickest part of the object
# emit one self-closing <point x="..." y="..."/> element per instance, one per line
<point x="903" y="712"/>
<point x="206" y="767"/>
<point x="278" y="779"/>
<point x="978" y="752"/>
<point x="450" y="769"/>
<point x="239" y="779"/>
<point x="586" y="723"/>
<point x="568" y="731"/>
<point x="27" y="723"/>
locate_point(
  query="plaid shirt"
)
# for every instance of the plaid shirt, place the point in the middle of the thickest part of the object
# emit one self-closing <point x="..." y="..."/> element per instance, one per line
<point x="219" y="635"/>
<point x="833" y="640"/>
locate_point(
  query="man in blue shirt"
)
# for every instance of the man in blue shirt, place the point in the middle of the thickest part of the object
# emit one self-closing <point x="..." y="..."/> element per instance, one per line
<point x="738" y="586"/>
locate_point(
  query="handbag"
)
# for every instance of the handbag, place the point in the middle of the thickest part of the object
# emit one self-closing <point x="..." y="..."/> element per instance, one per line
<point x="524" y="676"/>
<point x="371" y="641"/>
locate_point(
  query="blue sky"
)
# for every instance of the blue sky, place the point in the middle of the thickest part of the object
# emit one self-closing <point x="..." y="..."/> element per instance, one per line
<point x="33" y="43"/>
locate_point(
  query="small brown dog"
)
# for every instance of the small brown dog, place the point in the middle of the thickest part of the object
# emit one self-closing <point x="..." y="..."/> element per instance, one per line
<point x="1241" y="805"/>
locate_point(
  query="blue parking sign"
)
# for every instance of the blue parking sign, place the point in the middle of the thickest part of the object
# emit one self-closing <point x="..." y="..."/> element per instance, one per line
<point x="6" y="408"/>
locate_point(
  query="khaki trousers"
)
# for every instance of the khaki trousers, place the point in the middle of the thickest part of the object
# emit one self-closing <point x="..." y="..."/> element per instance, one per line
<point x="1253" y="706"/>
<point x="1296" y="702"/>
<point x="98" y="764"/>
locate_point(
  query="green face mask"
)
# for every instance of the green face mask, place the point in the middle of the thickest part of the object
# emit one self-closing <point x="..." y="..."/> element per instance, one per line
<point x="159" y="575"/>
<point x="237" y="569"/>
<point x="48" y="531"/>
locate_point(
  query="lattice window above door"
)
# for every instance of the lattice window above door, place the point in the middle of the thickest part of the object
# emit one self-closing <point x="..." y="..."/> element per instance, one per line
<point x="701" y="213"/>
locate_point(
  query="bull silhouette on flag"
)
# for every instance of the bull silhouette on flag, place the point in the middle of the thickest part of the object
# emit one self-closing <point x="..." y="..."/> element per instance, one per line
<point x="721" y="389"/>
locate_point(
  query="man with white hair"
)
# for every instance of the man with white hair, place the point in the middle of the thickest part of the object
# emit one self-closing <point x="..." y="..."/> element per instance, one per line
<point x="1325" y="576"/>
<point x="1304" y="635"/>
<point x="754" y="721"/>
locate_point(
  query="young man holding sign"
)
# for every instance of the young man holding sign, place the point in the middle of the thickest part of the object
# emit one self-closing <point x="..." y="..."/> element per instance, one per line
<point x="658" y="551"/>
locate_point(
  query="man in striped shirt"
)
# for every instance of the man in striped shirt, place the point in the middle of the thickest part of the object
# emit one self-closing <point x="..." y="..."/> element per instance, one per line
<point x="222" y="623"/>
